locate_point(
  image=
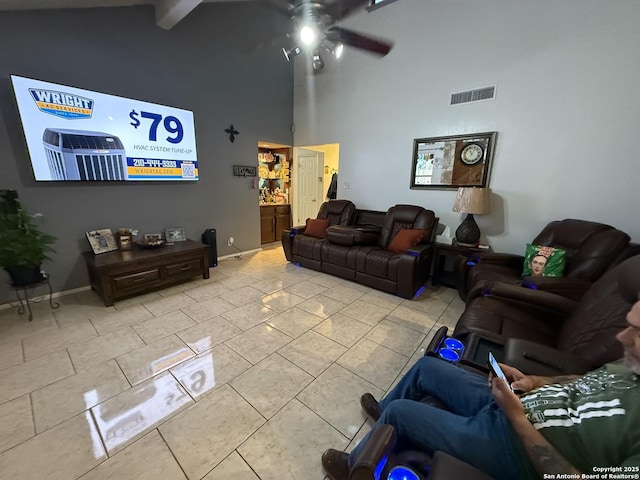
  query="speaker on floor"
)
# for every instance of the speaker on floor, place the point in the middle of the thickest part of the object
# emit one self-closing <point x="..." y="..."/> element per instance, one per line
<point x="209" y="238"/>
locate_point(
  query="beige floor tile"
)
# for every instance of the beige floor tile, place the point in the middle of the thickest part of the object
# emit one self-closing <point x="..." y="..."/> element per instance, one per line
<point x="181" y="287"/>
<point x="162" y="326"/>
<point x="128" y="416"/>
<point x="169" y="304"/>
<point x="312" y="352"/>
<point x="281" y="301"/>
<point x="206" y="309"/>
<point x="242" y="295"/>
<point x="47" y="342"/>
<point x="342" y="329"/>
<point x="29" y="376"/>
<point x="69" y="314"/>
<point x="440" y="293"/>
<point x="412" y="318"/>
<point x="286" y="440"/>
<point x="335" y="396"/>
<point x="143" y="363"/>
<point x="232" y="467"/>
<point x="396" y="337"/>
<point x="382" y="299"/>
<point x="269" y="284"/>
<point x="307" y="289"/>
<point x="343" y="293"/>
<point x="66" y="451"/>
<point x="374" y="363"/>
<point x="16" y="327"/>
<point x="270" y="384"/>
<point x="147" y="459"/>
<point x="431" y="306"/>
<point x="327" y="280"/>
<point x="209" y="370"/>
<point x="321" y="306"/>
<point x="123" y="317"/>
<point x="103" y="348"/>
<point x="17" y="422"/>
<point x="10" y="353"/>
<point x="294" y="322"/>
<point x="366" y="312"/>
<point x="203" y="435"/>
<point x="206" y="292"/>
<point x="137" y="300"/>
<point x="237" y="281"/>
<point x="67" y="398"/>
<point x="205" y="335"/>
<point x="249" y="315"/>
<point x="258" y="343"/>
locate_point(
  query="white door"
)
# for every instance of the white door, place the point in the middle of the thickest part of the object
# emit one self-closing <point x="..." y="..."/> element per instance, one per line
<point x="309" y="165"/>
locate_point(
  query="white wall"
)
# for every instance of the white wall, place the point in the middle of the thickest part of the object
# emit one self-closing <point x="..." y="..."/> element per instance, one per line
<point x="567" y="109"/>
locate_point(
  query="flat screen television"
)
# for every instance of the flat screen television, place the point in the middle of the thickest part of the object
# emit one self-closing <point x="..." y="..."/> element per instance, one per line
<point x="81" y="135"/>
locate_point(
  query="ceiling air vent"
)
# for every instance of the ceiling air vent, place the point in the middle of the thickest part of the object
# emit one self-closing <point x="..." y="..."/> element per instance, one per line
<point x="484" y="93"/>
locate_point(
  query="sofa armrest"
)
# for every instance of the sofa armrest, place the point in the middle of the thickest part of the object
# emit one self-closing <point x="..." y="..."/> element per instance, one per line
<point x="569" y="287"/>
<point x="380" y="443"/>
<point x="421" y="250"/>
<point x="287" y="240"/>
<point x="446" y="467"/>
<point x="536" y="359"/>
<point x="531" y="299"/>
<point x="508" y="260"/>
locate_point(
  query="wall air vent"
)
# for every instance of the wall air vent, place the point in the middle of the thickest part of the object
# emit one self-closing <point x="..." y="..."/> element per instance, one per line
<point x="484" y="93"/>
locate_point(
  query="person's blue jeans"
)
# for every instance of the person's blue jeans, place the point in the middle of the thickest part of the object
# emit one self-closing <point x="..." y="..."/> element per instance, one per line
<point x="474" y="429"/>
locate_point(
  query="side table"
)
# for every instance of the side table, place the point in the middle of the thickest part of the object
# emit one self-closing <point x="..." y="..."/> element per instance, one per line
<point x="44" y="280"/>
<point x="444" y="252"/>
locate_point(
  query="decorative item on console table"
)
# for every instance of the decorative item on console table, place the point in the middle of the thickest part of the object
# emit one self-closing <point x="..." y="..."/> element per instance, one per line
<point x="102" y="241"/>
<point x="471" y="201"/>
<point x="23" y="247"/>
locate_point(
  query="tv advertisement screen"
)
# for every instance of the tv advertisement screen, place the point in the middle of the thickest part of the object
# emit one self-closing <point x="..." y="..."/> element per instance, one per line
<point x="80" y="135"/>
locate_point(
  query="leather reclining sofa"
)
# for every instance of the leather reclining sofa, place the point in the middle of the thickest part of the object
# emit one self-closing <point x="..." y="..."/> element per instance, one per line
<point x="355" y="246"/>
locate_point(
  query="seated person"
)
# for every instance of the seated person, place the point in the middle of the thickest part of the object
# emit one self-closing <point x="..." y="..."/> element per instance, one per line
<point x="560" y="425"/>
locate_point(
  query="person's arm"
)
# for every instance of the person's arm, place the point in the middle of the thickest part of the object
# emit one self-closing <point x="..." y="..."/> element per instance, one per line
<point x="525" y="383"/>
<point x="545" y="458"/>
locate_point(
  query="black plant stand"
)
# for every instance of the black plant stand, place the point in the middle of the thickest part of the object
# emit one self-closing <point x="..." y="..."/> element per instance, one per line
<point x="44" y="280"/>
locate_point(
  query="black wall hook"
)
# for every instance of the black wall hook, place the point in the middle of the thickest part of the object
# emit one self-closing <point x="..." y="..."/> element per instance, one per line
<point x="232" y="133"/>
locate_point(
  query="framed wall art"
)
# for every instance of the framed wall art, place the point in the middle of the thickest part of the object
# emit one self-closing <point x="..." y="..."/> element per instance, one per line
<point x="102" y="241"/>
<point x="453" y="161"/>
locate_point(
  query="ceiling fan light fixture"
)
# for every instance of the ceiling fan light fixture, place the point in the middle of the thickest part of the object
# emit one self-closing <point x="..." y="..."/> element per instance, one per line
<point x="307" y="35"/>
<point x="317" y="62"/>
<point x="334" y="49"/>
<point x="292" y="52"/>
<point x="338" y="50"/>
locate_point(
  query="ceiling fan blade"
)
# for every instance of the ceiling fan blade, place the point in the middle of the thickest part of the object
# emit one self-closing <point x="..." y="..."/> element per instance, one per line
<point x="357" y="40"/>
<point x="341" y="8"/>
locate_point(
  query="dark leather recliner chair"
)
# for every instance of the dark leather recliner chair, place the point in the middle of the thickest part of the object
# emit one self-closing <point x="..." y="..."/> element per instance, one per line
<point x="548" y="334"/>
<point x="591" y="248"/>
<point x="304" y="249"/>
<point x="375" y="266"/>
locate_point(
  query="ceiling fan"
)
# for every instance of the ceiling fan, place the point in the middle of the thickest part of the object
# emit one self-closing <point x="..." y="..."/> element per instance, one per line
<point x="315" y="30"/>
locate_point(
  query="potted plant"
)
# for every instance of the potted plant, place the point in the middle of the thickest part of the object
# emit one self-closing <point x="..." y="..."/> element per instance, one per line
<point x="23" y="247"/>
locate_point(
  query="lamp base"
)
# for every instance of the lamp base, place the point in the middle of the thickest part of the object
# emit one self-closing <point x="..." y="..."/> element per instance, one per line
<point x="468" y="233"/>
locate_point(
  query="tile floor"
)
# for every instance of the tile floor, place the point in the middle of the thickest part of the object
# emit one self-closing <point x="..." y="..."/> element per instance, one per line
<point x="248" y="375"/>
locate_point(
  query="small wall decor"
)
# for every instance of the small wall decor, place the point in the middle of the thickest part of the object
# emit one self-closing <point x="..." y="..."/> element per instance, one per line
<point x="244" y="171"/>
<point x="175" y="234"/>
<point x="453" y="161"/>
<point x="102" y="241"/>
<point x="232" y="133"/>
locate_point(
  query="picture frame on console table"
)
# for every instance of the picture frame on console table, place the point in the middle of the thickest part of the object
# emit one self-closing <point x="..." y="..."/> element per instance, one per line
<point x="175" y="234"/>
<point x="102" y="241"/>
<point x="452" y="161"/>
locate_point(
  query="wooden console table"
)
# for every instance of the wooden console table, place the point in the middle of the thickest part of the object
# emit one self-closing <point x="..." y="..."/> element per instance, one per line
<point x="124" y="273"/>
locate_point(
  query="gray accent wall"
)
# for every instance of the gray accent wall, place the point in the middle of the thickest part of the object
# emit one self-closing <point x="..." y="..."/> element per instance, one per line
<point x="567" y="108"/>
<point x="222" y="62"/>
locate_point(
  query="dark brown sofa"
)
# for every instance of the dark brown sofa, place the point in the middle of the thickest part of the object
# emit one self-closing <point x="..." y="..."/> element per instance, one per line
<point x="547" y="334"/>
<point x="357" y="250"/>
<point x="591" y="248"/>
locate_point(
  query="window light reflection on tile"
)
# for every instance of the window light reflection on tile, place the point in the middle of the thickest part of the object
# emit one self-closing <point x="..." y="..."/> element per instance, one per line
<point x="98" y="449"/>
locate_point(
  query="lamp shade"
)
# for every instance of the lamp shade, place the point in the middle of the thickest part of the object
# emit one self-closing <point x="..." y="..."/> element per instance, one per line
<point x="472" y="200"/>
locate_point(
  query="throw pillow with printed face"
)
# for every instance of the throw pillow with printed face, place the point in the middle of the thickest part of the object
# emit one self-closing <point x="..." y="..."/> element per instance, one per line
<point x="542" y="261"/>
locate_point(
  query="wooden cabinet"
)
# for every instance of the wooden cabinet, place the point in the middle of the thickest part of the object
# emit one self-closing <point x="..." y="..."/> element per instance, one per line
<point x="273" y="220"/>
<point x="125" y="273"/>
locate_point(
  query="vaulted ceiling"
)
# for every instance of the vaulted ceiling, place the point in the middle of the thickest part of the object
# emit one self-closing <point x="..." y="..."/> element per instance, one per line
<point x="168" y="12"/>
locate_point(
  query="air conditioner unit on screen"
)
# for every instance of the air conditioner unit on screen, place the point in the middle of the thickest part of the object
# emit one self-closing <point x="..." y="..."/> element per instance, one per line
<point x="84" y="155"/>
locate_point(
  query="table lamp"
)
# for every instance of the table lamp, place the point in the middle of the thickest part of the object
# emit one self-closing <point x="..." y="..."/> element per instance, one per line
<point x="472" y="201"/>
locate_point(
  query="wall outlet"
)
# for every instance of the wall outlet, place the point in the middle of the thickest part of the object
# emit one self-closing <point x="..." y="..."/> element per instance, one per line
<point x="230" y="241"/>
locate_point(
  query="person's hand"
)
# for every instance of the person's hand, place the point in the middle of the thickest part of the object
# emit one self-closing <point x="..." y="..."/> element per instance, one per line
<point x="519" y="381"/>
<point x="508" y="401"/>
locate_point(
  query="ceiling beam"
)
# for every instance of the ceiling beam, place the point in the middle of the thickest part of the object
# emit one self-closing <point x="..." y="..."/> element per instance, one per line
<point x="170" y="12"/>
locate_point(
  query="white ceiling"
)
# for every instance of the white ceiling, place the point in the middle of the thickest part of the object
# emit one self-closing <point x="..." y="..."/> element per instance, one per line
<point x="168" y="12"/>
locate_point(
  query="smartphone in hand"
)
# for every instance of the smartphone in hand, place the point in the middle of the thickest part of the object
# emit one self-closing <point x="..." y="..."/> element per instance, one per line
<point x="497" y="371"/>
